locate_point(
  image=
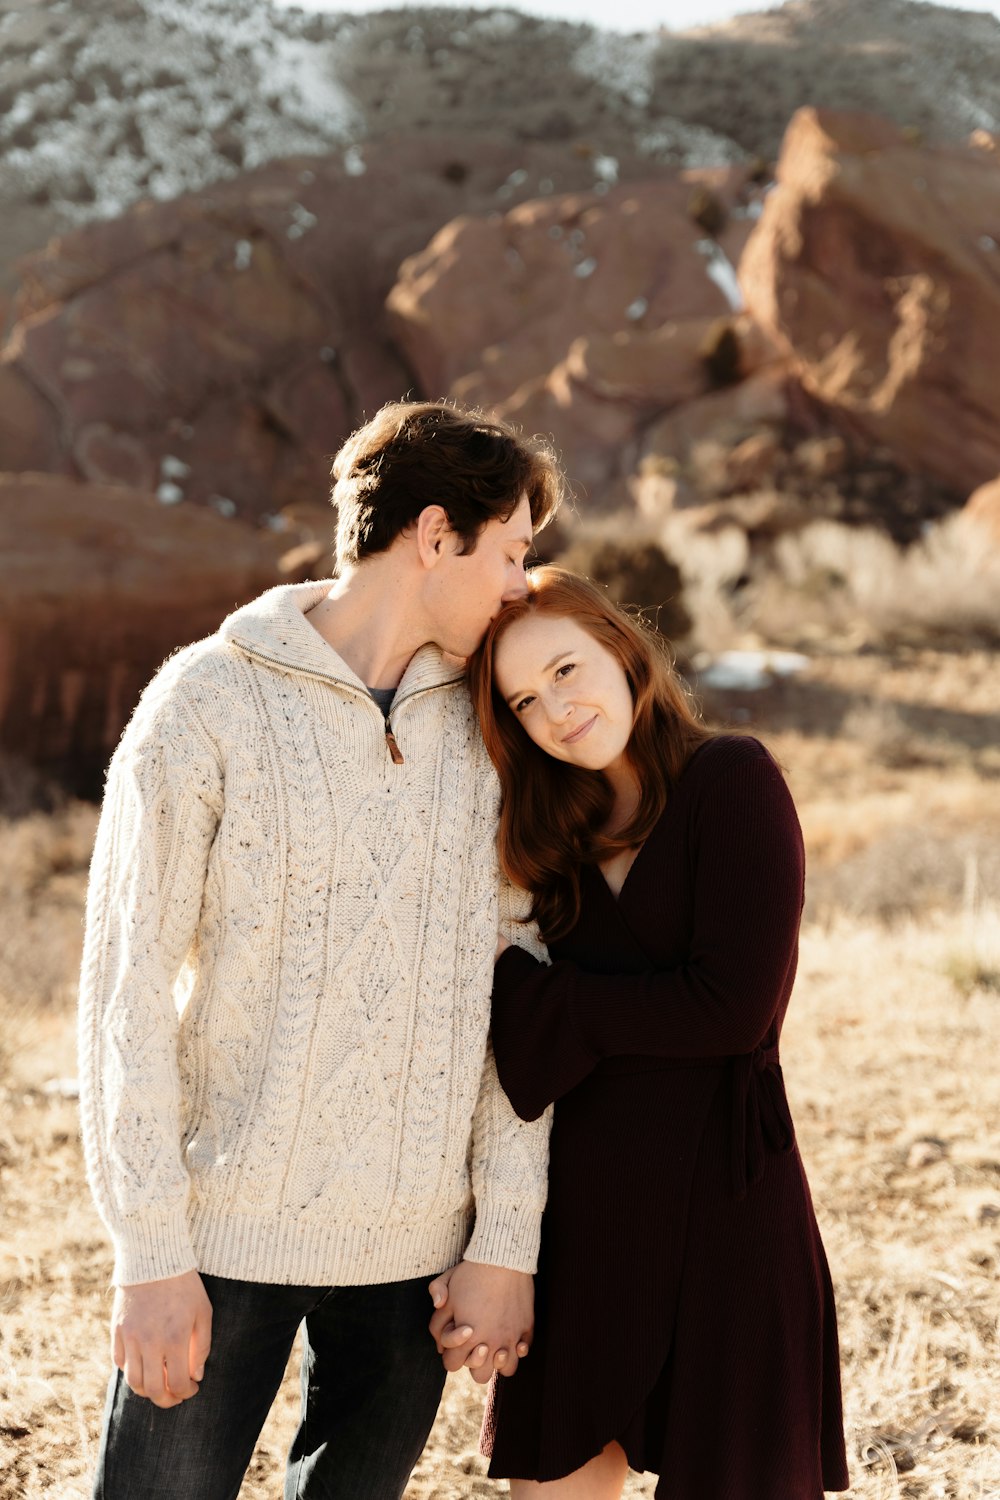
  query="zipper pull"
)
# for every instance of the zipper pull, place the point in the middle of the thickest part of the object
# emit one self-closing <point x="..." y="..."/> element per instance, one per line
<point x="394" y="750"/>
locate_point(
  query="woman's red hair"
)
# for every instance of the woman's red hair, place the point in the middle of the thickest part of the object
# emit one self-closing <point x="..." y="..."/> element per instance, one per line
<point x="551" y="813"/>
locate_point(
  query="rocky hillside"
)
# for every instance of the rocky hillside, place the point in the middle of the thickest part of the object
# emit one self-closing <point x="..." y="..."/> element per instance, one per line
<point x="124" y="99"/>
<point x="271" y="223"/>
<point x="932" y="69"/>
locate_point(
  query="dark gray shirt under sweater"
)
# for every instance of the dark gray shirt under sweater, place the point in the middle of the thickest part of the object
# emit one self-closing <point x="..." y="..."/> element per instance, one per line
<point x="383" y="697"/>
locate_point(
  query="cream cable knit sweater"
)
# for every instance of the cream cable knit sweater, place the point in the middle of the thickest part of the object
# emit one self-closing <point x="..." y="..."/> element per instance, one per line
<point x="285" y="991"/>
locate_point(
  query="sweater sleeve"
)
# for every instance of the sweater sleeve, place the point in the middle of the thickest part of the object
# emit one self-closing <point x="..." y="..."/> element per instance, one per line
<point x="509" y="1157"/>
<point x="551" y="1026"/>
<point x="162" y="804"/>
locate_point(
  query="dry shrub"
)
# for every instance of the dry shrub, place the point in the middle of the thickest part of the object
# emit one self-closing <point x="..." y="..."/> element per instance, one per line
<point x="947" y="585"/>
<point x="44" y="858"/>
<point x="25" y="789"/>
<point x="829" y="580"/>
<point x="636" y="572"/>
<point x="906" y="871"/>
<point x="712" y="565"/>
<point x="881" y="727"/>
<point x="891" y="739"/>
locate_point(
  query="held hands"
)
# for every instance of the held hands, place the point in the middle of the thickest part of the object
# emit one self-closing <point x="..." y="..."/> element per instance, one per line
<point x="484" y="1318"/>
<point x="161" y="1334"/>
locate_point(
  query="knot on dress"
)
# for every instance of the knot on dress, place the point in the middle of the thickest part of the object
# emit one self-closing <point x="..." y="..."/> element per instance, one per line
<point x="761" y="1115"/>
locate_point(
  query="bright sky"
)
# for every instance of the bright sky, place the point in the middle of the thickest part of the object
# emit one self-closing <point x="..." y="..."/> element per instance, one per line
<point x="623" y="15"/>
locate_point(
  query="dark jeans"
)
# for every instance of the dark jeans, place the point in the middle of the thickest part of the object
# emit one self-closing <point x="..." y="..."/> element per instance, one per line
<point x="371" y="1383"/>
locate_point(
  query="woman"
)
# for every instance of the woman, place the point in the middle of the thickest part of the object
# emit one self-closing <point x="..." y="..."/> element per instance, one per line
<point x="685" y="1321"/>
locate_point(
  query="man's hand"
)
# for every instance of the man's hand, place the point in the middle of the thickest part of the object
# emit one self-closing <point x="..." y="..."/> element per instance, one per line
<point x="484" y="1318"/>
<point x="161" y="1334"/>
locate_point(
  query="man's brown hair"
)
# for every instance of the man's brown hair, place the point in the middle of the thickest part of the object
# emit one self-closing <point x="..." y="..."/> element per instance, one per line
<point x="418" y="453"/>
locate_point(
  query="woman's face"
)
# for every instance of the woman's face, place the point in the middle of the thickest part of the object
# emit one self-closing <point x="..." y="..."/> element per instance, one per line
<point x="567" y="690"/>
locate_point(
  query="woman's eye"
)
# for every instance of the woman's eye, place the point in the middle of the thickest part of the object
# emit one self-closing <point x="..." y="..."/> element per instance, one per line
<point x="522" y="705"/>
<point x="566" y="668"/>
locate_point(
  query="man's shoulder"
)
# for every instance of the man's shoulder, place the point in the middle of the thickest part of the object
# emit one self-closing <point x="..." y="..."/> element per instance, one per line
<point x="193" y="684"/>
<point x="211" y="660"/>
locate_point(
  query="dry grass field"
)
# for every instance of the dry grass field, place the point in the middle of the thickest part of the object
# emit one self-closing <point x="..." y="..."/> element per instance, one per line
<point x="890" y="1051"/>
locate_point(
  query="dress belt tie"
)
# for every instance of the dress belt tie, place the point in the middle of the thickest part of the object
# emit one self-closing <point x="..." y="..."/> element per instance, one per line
<point x="760" y="1115"/>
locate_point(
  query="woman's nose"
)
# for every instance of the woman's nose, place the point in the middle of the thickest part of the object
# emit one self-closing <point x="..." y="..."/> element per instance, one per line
<point x="558" y="709"/>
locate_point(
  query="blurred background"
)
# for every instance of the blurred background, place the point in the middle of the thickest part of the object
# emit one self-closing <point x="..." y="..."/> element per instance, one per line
<point x="742" y="267"/>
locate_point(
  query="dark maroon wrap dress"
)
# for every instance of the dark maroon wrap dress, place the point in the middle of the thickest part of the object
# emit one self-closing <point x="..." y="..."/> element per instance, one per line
<point x="683" y="1300"/>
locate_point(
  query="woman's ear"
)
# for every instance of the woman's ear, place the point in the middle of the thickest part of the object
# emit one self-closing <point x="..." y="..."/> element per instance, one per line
<point x="432" y="532"/>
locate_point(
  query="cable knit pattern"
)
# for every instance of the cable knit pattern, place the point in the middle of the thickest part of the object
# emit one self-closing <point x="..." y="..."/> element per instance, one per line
<point x="285" y="1072"/>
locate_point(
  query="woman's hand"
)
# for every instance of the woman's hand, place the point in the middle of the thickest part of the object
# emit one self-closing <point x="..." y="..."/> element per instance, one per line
<point x="478" y="1310"/>
<point x="502" y="946"/>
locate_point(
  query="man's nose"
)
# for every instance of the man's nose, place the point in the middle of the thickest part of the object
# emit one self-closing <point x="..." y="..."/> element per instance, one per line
<point x="516" y="589"/>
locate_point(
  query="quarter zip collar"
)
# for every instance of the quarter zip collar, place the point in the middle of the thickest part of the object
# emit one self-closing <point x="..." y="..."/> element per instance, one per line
<point x="274" y="629"/>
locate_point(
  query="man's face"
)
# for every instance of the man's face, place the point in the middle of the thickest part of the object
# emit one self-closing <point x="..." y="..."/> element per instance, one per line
<point x="467" y="591"/>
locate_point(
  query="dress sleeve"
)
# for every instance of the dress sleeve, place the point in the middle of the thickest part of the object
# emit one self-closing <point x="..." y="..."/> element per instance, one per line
<point x="552" y="1025"/>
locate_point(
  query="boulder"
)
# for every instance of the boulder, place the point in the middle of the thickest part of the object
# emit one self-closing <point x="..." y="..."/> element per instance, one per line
<point x="876" y="265"/>
<point x="654" y="368"/>
<point x="224" y="344"/>
<point x="595" y="316"/>
<point x="625" y="260"/>
<point x="759" y="404"/>
<point x="982" y="509"/>
<point x="98" y="584"/>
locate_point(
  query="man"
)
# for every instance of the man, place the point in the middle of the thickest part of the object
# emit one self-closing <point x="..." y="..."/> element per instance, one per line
<point x="290" y="1111"/>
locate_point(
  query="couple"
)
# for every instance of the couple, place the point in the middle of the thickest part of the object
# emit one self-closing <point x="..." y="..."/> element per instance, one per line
<point x="293" y="1113"/>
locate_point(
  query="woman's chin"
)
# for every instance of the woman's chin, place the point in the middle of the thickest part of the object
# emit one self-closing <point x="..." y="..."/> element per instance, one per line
<point x="594" y="762"/>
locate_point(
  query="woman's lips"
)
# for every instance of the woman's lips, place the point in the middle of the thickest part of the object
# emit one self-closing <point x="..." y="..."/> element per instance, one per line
<point x="578" y="734"/>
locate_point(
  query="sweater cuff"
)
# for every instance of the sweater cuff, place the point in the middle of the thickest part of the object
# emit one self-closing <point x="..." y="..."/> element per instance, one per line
<point x="513" y="966"/>
<point x="506" y="1234"/>
<point x="153" y="1248"/>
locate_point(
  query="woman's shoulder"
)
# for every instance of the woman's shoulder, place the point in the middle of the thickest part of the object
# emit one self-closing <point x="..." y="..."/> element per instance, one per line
<point x="729" y="768"/>
<point x="718" y="755"/>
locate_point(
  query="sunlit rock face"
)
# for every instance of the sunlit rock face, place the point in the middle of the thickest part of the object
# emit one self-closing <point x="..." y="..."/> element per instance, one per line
<point x="982" y="510"/>
<point x="582" y="316"/>
<point x="876" y="265"/>
<point x="218" y="348"/>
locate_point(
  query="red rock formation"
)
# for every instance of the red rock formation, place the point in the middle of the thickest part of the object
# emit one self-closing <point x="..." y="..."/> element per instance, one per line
<point x="983" y="509"/>
<point x="876" y="264"/>
<point x="225" y="343"/>
<point x="98" y="583"/>
<point x="581" y="316"/>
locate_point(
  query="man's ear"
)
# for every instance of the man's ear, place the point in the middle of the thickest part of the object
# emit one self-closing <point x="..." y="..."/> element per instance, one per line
<point x="433" y="534"/>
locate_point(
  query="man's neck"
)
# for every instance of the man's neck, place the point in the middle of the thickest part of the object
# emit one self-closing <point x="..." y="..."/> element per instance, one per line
<point x="370" y="621"/>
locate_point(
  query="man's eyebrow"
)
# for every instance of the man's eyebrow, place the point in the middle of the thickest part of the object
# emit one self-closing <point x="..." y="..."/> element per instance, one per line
<point x="547" y="668"/>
